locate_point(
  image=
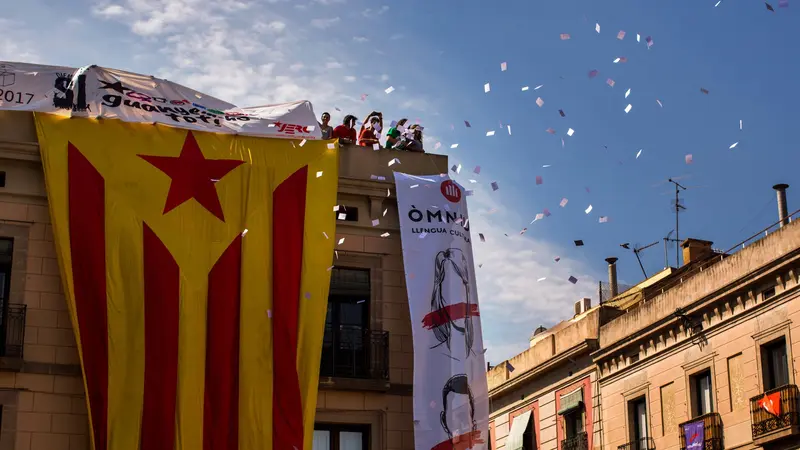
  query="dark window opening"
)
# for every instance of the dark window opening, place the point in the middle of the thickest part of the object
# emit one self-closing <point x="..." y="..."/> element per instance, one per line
<point x="528" y="437"/>
<point x="573" y="423"/>
<point x="340" y="437"/>
<point x="6" y="256"/>
<point x="768" y="293"/>
<point x="775" y="364"/>
<point x="702" y="398"/>
<point x="2" y="179"/>
<point x="637" y="411"/>
<point x="345" y="347"/>
<point x="347" y="213"/>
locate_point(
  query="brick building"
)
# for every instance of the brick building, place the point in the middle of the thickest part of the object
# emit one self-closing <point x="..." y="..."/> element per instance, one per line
<point x="704" y="351"/>
<point x="366" y="367"/>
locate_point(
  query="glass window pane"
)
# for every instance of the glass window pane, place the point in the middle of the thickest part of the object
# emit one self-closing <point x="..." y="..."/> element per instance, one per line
<point x="322" y="440"/>
<point x="778" y="365"/>
<point x="705" y="394"/>
<point x="641" y="418"/>
<point x="351" y="440"/>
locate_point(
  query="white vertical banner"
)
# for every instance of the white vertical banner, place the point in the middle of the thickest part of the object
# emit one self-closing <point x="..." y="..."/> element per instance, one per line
<point x="451" y="403"/>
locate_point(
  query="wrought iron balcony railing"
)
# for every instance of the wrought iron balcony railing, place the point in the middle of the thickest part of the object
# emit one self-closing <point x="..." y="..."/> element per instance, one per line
<point x="712" y="433"/>
<point x="769" y="414"/>
<point x="352" y="351"/>
<point x="639" y="444"/>
<point x="13" y="339"/>
<point x="578" y="442"/>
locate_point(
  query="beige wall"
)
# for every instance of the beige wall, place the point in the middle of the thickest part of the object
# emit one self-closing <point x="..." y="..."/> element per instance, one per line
<point x="44" y="408"/>
<point x="736" y="320"/>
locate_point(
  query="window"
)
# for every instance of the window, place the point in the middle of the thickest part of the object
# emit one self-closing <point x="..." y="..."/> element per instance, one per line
<point x="6" y="252"/>
<point x="347" y="213"/>
<point x="2" y="179"/>
<point x="528" y="442"/>
<point x="702" y="397"/>
<point x="768" y="293"/>
<point x="775" y="365"/>
<point x="345" y="347"/>
<point x="573" y="423"/>
<point x="638" y="426"/>
<point x="340" y="437"/>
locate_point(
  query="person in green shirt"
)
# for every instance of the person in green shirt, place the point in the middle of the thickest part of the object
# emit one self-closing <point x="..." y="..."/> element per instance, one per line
<point x="393" y="135"/>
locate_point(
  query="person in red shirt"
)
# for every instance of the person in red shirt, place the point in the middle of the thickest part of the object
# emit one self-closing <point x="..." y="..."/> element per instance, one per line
<point x="346" y="132"/>
<point x="371" y="130"/>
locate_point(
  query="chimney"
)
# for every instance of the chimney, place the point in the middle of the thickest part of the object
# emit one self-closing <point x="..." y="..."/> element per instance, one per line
<point x="783" y="211"/>
<point x="612" y="276"/>
<point x="695" y="249"/>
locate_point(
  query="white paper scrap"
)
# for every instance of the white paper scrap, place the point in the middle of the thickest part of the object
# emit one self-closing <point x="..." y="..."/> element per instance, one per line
<point x="621" y="35"/>
<point x="331" y="146"/>
<point x="302" y="143"/>
<point x="734" y="145"/>
<point x="539" y="101"/>
<point x="589" y="209"/>
<point x="639" y="153"/>
<point x="319" y="174"/>
<point x="564" y="202"/>
<point x="376" y="222"/>
<point x="486" y="88"/>
<point x="627" y="93"/>
<point x="525" y="88"/>
<point x="628" y="108"/>
<point x="538" y="87"/>
<point x="503" y="66"/>
<point x="597" y="27"/>
<point x="740" y="124"/>
<point x="385" y="235"/>
<point x="342" y="216"/>
<point x="570" y="132"/>
<point x="341" y="241"/>
<point x="541" y="279"/>
<point x="490" y="133"/>
<point x="394" y="161"/>
<point x="389" y="90"/>
<point x="454" y="146"/>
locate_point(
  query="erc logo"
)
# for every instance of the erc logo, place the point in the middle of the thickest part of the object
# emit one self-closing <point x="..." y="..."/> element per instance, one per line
<point x="451" y="191"/>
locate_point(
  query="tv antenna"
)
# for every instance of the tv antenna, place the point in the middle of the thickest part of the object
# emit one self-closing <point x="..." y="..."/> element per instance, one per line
<point x="667" y="240"/>
<point x="637" y="250"/>
<point x="678" y="208"/>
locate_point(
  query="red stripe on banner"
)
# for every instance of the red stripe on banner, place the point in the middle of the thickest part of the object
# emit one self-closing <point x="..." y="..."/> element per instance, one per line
<point x="289" y="211"/>
<point x="221" y="408"/>
<point x="448" y="314"/>
<point x="162" y="292"/>
<point x="461" y="442"/>
<point x="87" y="241"/>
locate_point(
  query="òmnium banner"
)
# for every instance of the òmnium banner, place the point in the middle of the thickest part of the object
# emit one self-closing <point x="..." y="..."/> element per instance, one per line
<point x="451" y="407"/>
<point x="102" y="93"/>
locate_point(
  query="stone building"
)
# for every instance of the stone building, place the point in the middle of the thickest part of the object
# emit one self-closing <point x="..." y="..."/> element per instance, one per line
<point x="366" y="367"/>
<point x="705" y="358"/>
<point x="696" y="357"/>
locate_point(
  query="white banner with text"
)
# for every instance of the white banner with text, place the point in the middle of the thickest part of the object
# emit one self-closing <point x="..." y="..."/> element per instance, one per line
<point x="97" y="92"/>
<point x="451" y="406"/>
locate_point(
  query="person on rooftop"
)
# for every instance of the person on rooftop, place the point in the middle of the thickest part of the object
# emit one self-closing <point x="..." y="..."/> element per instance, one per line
<point x="393" y="135"/>
<point x="371" y="129"/>
<point x="411" y="140"/>
<point x="327" y="130"/>
<point x="346" y="132"/>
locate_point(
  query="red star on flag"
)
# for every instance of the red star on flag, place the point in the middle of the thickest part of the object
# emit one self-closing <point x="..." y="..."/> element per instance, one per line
<point x="193" y="176"/>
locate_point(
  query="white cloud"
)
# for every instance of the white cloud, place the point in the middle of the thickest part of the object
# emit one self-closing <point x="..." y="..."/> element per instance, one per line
<point x="384" y="77"/>
<point x="333" y="64"/>
<point x="360" y="39"/>
<point x="109" y="11"/>
<point x="329" y="2"/>
<point x="276" y="26"/>
<point x="350" y="78"/>
<point x="325" y="23"/>
<point x="368" y="12"/>
<point x="296" y="67"/>
<point x="396" y="36"/>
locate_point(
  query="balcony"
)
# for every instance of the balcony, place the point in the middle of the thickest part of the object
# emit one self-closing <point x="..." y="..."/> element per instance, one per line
<point x="639" y="444"/>
<point x="354" y="352"/>
<point x="12" y="341"/>
<point x="769" y="427"/>
<point x="712" y="433"/>
<point x="579" y="442"/>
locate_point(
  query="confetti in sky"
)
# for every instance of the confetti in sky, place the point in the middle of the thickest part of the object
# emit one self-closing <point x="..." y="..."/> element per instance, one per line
<point x="495" y="186"/>
<point x="593" y="73"/>
<point x="621" y="35"/>
<point x="639" y="153"/>
<point x="627" y="93"/>
<point x="689" y="158"/>
<point x="538" y="87"/>
<point x="570" y="132"/>
<point x="572" y="279"/>
<point x="539" y="179"/>
<point x="490" y="133"/>
<point x="734" y="145"/>
<point x="539" y="101"/>
<point x="659" y="103"/>
<point x="389" y="90"/>
<point x="503" y="66"/>
<point x="525" y="88"/>
<point x="628" y="108"/>
<point x="319" y="174"/>
<point x="610" y="82"/>
<point x="486" y="88"/>
<point x="477" y="170"/>
<point x="454" y="146"/>
<point x="564" y="202"/>
<point x="564" y="36"/>
<point x="597" y="27"/>
<point x="588" y="210"/>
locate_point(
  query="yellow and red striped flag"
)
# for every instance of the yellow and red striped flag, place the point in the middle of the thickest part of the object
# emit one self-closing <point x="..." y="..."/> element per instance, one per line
<point x="194" y="265"/>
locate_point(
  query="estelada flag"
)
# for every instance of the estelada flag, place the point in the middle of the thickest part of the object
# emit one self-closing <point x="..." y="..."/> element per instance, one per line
<point x="195" y="269"/>
<point x="771" y="403"/>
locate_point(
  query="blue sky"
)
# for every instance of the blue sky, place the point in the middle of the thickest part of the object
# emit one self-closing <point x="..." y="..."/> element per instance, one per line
<point x="438" y="55"/>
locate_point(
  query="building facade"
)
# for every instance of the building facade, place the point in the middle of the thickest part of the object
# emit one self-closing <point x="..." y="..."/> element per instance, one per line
<point x="699" y="357"/>
<point x="366" y="366"/>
